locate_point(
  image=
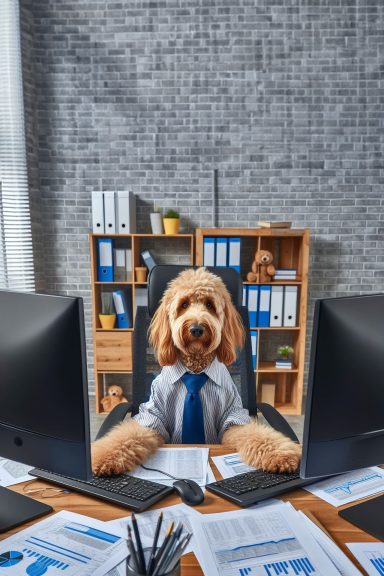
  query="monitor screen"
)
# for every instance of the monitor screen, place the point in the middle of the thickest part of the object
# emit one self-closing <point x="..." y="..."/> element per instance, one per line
<point x="344" y="416"/>
<point x="44" y="418"/>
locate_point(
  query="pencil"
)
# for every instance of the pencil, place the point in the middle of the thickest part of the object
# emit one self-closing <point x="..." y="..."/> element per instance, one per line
<point x="140" y="553"/>
<point x="132" y="550"/>
<point x="154" y="546"/>
<point x="165" y="556"/>
<point x="178" y="552"/>
<point x="162" y="548"/>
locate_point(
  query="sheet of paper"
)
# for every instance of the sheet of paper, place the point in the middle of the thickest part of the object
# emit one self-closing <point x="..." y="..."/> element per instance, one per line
<point x="339" y="559"/>
<point x="230" y="465"/>
<point x="266" y="542"/>
<point x="72" y="543"/>
<point x="348" y="487"/>
<point x="190" y="463"/>
<point x="12" y="472"/>
<point x="147" y="523"/>
<point x="370" y="555"/>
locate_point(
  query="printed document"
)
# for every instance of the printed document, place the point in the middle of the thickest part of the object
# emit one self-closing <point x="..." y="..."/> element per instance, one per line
<point x="335" y="554"/>
<point x="348" y="487"/>
<point x="230" y="465"/>
<point x="269" y="541"/>
<point x="65" y="542"/>
<point x="147" y="523"/>
<point x="12" y="472"/>
<point x="190" y="463"/>
<point x="370" y="555"/>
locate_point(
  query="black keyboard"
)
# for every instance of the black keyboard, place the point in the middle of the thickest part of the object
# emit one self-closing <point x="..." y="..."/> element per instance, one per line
<point x="252" y="487"/>
<point x="133" y="493"/>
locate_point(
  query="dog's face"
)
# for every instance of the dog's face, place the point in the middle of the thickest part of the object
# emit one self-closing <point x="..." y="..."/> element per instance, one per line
<point x="263" y="257"/>
<point x="115" y="390"/>
<point x="196" y="316"/>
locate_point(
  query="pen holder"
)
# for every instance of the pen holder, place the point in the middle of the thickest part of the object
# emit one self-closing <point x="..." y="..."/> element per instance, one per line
<point x="147" y="552"/>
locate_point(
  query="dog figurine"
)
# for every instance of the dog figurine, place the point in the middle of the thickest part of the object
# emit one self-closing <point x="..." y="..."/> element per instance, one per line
<point x="113" y="398"/>
<point x="195" y="329"/>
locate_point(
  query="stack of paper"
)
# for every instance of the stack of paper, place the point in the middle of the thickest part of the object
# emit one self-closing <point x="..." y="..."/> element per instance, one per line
<point x="185" y="463"/>
<point x="269" y="540"/>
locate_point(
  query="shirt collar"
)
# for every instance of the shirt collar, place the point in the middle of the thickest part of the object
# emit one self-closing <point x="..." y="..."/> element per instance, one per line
<point x="173" y="373"/>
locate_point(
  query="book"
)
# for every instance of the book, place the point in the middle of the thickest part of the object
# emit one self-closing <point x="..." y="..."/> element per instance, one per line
<point x="270" y="224"/>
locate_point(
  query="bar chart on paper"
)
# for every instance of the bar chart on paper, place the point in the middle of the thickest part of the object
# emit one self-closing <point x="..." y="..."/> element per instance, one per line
<point x="295" y="566"/>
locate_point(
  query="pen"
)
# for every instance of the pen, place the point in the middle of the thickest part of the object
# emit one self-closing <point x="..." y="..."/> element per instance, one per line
<point x="140" y="553"/>
<point x="181" y="546"/>
<point x="155" y="539"/>
<point x="163" y="561"/>
<point x="132" y="550"/>
<point x="162" y="548"/>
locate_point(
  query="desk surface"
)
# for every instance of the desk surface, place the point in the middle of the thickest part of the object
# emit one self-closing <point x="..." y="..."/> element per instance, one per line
<point x="340" y="530"/>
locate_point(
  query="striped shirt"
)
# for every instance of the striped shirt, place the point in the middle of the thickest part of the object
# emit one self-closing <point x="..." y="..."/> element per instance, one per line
<point x="222" y="406"/>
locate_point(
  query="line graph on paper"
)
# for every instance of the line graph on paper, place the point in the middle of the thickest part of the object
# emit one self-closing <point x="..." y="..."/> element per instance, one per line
<point x="356" y="484"/>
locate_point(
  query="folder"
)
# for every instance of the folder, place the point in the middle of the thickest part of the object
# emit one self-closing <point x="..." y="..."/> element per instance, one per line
<point x="125" y="212"/>
<point x="245" y="296"/>
<point x="128" y="264"/>
<point x="234" y="246"/>
<point x="109" y="213"/>
<point x="209" y="251"/>
<point x="253" y="296"/>
<point x="254" y="347"/>
<point x="120" y="273"/>
<point x="277" y="295"/>
<point x="221" y="251"/>
<point x="105" y="270"/>
<point x="123" y="307"/>
<point x="98" y="213"/>
<point x="148" y="259"/>
<point x="264" y="306"/>
<point x="290" y="305"/>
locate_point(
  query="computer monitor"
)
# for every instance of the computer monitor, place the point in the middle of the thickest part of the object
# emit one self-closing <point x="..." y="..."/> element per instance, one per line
<point x="44" y="415"/>
<point x="344" y="415"/>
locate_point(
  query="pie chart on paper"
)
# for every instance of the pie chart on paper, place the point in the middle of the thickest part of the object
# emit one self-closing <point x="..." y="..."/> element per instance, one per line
<point x="8" y="559"/>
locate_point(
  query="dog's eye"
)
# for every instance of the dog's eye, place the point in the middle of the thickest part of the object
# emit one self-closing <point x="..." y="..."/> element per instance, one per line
<point x="185" y="304"/>
<point x="209" y="305"/>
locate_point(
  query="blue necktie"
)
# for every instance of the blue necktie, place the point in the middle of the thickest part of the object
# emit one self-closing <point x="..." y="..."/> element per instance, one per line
<point x="193" y="418"/>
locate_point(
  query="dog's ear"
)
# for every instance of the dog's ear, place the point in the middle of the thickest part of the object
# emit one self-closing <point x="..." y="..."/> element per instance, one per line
<point x="160" y="337"/>
<point x="232" y="334"/>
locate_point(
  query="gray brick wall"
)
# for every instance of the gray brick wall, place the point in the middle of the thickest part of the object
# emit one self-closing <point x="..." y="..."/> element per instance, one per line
<point x="283" y="98"/>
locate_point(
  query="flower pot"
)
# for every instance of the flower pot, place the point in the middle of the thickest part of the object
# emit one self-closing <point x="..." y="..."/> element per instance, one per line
<point x="171" y="225"/>
<point x="141" y="273"/>
<point x="107" y="321"/>
<point x="156" y="223"/>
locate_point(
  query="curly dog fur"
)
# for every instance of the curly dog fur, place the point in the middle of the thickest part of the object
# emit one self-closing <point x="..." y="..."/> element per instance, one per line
<point x="195" y="296"/>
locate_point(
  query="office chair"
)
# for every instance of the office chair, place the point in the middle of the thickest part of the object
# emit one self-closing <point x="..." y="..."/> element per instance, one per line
<point x="145" y="367"/>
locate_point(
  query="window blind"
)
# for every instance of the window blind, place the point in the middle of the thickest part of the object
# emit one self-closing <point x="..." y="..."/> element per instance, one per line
<point x="16" y="252"/>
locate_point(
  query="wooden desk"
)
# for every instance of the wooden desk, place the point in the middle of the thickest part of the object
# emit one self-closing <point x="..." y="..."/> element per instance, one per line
<point x="340" y="530"/>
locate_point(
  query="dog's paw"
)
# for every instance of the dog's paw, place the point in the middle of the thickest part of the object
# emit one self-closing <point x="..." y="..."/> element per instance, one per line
<point x="283" y="457"/>
<point x="105" y="462"/>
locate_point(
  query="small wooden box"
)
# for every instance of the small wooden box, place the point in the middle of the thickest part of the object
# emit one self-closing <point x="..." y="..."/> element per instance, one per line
<point x="114" y="351"/>
<point x="268" y="390"/>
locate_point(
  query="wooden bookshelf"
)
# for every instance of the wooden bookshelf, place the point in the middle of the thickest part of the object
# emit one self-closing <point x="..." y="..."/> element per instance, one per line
<point x="290" y="248"/>
<point x="113" y="348"/>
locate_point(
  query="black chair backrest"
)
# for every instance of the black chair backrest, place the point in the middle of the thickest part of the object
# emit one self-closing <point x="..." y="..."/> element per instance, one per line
<point x="145" y="366"/>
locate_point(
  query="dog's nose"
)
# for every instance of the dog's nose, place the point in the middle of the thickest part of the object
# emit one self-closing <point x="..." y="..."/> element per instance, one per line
<point x="197" y="330"/>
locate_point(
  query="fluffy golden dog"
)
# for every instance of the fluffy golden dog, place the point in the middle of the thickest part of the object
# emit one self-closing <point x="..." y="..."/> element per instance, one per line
<point x="195" y="327"/>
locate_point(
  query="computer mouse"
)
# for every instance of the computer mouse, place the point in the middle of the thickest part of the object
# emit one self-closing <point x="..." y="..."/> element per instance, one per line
<point x="189" y="492"/>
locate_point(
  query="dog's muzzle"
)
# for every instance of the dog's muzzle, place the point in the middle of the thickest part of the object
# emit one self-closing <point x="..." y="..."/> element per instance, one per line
<point x="197" y="330"/>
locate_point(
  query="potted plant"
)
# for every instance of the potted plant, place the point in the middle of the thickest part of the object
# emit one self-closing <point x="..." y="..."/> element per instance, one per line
<point x="156" y="221"/>
<point x="171" y="222"/>
<point x="284" y="356"/>
<point x="107" y="317"/>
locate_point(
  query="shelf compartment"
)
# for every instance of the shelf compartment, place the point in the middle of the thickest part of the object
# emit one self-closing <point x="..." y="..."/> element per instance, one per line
<point x="113" y="350"/>
<point x="269" y="367"/>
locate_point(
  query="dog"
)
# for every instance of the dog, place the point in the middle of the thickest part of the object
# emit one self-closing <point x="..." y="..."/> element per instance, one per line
<point x="195" y="329"/>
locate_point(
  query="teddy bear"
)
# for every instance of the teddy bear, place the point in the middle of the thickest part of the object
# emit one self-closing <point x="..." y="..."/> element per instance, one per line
<point x="114" y="397"/>
<point x="262" y="267"/>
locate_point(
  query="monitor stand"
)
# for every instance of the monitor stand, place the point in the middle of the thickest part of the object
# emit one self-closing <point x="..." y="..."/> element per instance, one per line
<point x="368" y="516"/>
<point x="16" y="509"/>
